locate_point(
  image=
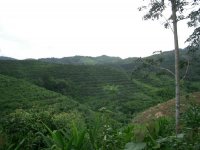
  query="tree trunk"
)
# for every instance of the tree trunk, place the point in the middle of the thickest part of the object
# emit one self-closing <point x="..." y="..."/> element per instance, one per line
<point x="177" y="78"/>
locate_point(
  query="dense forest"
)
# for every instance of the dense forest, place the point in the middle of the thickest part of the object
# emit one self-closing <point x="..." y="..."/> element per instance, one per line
<point x="98" y="103"/>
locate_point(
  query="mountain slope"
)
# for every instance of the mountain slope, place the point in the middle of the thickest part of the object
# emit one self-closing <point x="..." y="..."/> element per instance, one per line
<point x="19" y="94"/>
<point x="26" y="109"/>
<point x="88" y="80"/>
<point x="95" y="86"/>
<point x="6" y="58"/>
<point x="119" y="87"/>
<point x="167" y="108"/>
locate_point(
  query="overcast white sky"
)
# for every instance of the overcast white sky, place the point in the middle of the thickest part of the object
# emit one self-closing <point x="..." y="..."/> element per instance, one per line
<point x="59" y="28"/>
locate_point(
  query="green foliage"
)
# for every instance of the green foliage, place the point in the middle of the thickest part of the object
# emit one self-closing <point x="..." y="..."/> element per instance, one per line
<point x="103" y="133"/>
<point x="112" y="90"/>
<point x="24" y="106"/>
<point x="192" y="117"/>
<point x="19" y="94"/>
<point x="193" y="86"/>
<point x="159" y="134"/>
<point x="165" y="92"/>
<point x="16" y="146"/>
<point x="99" y="134"/>
<point x="64" y="119"/>
<point x="148" y="136"/>
<point x="62" y="140"/>
<point x="28" y="123"/>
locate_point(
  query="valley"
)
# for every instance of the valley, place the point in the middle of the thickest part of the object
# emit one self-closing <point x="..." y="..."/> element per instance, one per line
<point x="101" y="96"/>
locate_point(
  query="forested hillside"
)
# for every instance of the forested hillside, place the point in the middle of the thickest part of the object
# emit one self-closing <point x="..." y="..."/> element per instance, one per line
<point x="19" y="94"/>
<point x="92" y="102"/>
<point x="96" y="86"/>
<point x="124" y="88"/>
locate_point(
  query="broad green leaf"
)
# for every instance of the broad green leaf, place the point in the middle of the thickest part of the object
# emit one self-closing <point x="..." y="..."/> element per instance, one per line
<point x="180" y="136"/>
<point x="135" y="146"/>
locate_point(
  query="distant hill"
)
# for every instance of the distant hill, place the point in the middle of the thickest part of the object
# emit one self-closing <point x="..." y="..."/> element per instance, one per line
<point x="85" y="60"/>
<point x="6" y="58"/>
<point x="88" y="60"/>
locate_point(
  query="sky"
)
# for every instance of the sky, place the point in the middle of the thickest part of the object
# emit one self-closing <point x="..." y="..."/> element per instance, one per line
<point x="61" y="28"/>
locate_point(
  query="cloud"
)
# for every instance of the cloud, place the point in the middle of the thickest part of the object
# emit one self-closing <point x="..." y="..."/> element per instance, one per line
<point x="58" y="28"/>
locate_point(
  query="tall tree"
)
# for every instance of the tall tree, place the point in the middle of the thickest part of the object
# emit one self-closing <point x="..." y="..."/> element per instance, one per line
<point x="179" y="9"/>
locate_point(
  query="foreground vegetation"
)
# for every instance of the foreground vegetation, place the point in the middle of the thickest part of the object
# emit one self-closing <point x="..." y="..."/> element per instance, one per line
<point x="100" y="133"/>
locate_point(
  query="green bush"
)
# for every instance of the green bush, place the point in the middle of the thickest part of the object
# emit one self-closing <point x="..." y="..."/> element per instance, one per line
<point x="192" y="117"/>
<point x="26" y="124"/>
